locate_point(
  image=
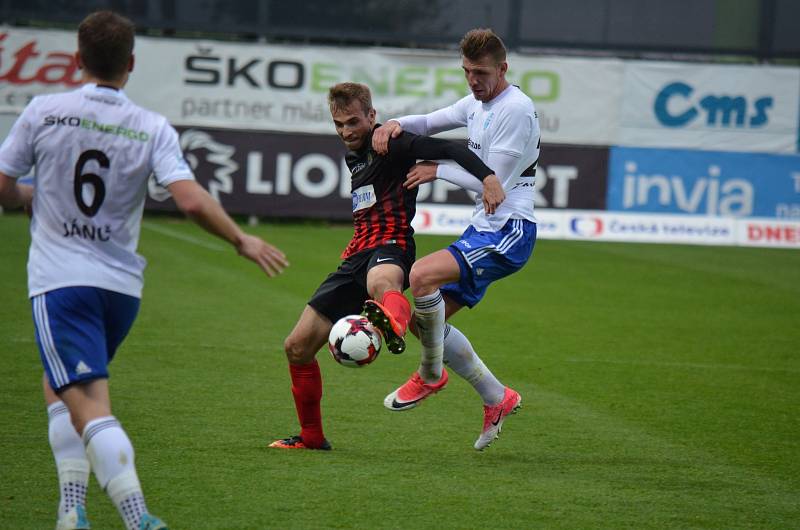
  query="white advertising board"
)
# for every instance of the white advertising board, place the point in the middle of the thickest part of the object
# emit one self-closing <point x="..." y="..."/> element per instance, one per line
<point x="710" y="107"/>
<point x="283" y="88"/>
<point x="591" y="225"/>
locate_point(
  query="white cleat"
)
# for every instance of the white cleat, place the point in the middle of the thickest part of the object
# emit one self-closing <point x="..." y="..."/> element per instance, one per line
<point x="75" y="519"/>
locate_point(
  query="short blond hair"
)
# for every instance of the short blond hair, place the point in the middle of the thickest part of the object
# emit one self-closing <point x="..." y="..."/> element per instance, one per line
<point x="480" y="42"/>
<point x="342" y="95"/>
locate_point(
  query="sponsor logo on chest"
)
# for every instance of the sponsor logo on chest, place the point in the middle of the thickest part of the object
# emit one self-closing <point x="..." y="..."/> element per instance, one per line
<point x="363" y="197"/>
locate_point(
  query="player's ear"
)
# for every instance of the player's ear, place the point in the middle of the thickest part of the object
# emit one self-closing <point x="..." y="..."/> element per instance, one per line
<point x="503" y="68"/>
<point x="130" y="63"/>
<point x="372" y="114"/>
<point x="78" y="60"/>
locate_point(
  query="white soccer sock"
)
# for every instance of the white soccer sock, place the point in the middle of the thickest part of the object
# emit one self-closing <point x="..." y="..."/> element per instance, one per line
<point x="111" y="454"/>
<point x="461" y="358"/>
<point x="70" y="455"/>
<point x="429" y="311"/>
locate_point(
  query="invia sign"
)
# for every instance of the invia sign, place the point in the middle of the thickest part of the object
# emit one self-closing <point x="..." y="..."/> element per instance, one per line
<point x="678" y="104"/>
<point x="704" y="183"/>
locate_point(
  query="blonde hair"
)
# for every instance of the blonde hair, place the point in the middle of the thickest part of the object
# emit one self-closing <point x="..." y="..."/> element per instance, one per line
<point x="343" y="94"/>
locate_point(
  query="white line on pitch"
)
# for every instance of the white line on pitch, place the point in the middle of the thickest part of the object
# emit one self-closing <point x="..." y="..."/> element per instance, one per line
<point x="183" y="237"/>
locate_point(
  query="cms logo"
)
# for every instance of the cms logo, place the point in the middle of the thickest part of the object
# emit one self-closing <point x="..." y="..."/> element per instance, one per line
<point x="678" y="105"/>
<point x="586" y="226"/>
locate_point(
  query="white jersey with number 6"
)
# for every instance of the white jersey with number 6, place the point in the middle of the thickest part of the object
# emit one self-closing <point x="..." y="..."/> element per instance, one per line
<point x="93" y="151"/>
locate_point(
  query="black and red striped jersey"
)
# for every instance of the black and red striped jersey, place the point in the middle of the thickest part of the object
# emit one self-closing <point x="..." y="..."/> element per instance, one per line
<point x="382" y="207"/>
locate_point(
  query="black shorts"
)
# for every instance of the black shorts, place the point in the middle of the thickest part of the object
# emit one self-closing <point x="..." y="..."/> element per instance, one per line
<point x="344" y="292"/>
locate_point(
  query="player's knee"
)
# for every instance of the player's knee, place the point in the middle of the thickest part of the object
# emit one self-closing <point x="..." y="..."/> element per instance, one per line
<point x="415" y="276"/>
<point x="420" y="281"/>
<point x="297" y="351"/>
<point x="382" y="286"/>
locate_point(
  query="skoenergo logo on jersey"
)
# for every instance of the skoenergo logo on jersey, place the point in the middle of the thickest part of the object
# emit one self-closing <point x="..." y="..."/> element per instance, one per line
<point x="91" y="125"/>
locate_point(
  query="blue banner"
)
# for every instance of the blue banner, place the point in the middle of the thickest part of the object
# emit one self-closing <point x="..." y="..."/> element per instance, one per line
<point x="704" y="183"/>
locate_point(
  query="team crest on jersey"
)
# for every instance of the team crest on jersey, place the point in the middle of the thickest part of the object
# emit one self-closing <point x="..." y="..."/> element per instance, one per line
<point x="363" y="197"/>
<point x="488" y="121"/>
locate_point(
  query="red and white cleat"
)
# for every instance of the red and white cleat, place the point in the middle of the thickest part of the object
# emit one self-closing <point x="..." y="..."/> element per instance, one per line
<point x="494" y="416"/>
<point x="413" y="391"/>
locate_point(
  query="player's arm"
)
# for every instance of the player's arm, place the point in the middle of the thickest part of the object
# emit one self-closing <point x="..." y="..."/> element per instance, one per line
<point x="435" y="122"/>
<point x="13" y="194"/>
<point x="17" y="159"/>
<point x="172" y="172"/>
<point x="493" y="191"/>
<point x="426" y="148"/>
<point x="199" y="206"/>
<point x="478" y="176"/>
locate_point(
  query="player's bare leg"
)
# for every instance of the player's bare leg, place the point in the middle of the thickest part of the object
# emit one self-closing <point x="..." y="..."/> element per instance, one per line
<point x="392" y="314"/>
<point x="301" y="347"/>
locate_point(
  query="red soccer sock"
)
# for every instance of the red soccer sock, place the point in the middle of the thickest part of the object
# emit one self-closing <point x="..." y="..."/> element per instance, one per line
<point x="397" y="304"/>
<point x="307" y="392"/>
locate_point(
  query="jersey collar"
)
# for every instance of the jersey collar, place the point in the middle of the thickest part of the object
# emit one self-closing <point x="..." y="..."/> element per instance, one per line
<point x="106" y="91"/>
<point x="506" y="91"/>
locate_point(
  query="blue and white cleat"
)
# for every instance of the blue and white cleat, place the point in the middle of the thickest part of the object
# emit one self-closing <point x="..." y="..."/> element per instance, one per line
<point x="151" y="522"/>
<point x="75" y="519"/>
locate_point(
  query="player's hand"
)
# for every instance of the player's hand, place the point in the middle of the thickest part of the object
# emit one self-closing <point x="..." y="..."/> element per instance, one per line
<point x="493" y="194"/>
<point x="381" y="135"/>
<point x="420" y="173"/>
<point x="269" y="258"/>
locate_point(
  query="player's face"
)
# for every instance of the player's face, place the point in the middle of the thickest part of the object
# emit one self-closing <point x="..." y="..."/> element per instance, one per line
<point x="485" y="77"/>
<point x="353" y="125"/>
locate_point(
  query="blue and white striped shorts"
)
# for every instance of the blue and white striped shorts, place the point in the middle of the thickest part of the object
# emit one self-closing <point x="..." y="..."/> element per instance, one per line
<point x="78" y="330"/>
<point x="484" y="257"/>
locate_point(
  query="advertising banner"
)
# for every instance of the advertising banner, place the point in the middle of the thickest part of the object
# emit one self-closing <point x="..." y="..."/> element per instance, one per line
<point x="769" y="233"/>
<point x="284" y="88"/>
<point x="277" y="175"/>
<point x="704" y="183"/>
<point x="693" y="230"/>
<point x="304" y="175"/>
<point x="572" y="177"/>
<point x="711" y="107"/>
<point x="588" y="225"/>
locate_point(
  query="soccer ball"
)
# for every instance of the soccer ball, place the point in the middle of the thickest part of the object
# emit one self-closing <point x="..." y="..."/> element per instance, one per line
<point x="354" y="342"/>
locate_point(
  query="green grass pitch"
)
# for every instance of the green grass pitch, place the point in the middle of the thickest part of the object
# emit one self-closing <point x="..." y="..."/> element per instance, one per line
<point x="661" y="388"/>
